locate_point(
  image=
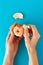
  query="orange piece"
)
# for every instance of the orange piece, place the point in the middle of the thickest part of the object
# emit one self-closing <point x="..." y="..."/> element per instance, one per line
<point x="18" y="30"/>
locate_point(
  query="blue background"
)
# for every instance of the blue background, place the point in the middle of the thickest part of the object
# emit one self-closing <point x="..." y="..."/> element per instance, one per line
<point x="33" y="14"/>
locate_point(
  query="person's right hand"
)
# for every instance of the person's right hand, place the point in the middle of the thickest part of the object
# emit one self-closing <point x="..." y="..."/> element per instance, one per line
<point x="30" y="44"/>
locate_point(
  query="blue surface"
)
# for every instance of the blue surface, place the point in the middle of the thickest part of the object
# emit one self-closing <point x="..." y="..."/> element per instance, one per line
<point x="33" y="14"/>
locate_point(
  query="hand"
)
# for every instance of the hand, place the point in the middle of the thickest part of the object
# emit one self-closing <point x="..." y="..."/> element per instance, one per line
<point x="30" y="44"/>
<point x="12" y="42"/>
<point x="35" y="37"/>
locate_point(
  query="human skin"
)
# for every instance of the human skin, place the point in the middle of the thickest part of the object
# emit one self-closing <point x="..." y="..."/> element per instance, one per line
<point x="12" y="43"/>
<point x="31" y="44"/>
<point x="12" y="46"/>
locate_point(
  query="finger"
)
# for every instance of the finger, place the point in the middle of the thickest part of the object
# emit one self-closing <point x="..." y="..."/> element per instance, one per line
<point x="36" y="35"/>
<point x="35" y="31"/>
<point x="26" y="37"/>
<point x="18" y="38"/>
<point x="12" y="35"/>
<point x="15" y="37"/>
<point x="12" y="26"/>
<point x="9" y="34"/>
<point x="26" y="34"/>
<point x="27" y="40"/>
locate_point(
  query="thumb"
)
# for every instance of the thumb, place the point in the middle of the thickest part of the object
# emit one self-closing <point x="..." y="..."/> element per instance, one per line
<point x="26" y="38"/>
<point x="26" y="33"/>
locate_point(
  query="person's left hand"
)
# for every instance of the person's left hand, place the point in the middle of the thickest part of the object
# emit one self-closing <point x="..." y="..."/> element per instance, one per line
<point x="31" y="44"/>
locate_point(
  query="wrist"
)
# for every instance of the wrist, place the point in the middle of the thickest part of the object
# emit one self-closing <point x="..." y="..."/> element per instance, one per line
<point x="8" y="59"/>
<point x="31" y="52"/>
<point x="10" y="55"/>
<point x="33" y="59"/>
